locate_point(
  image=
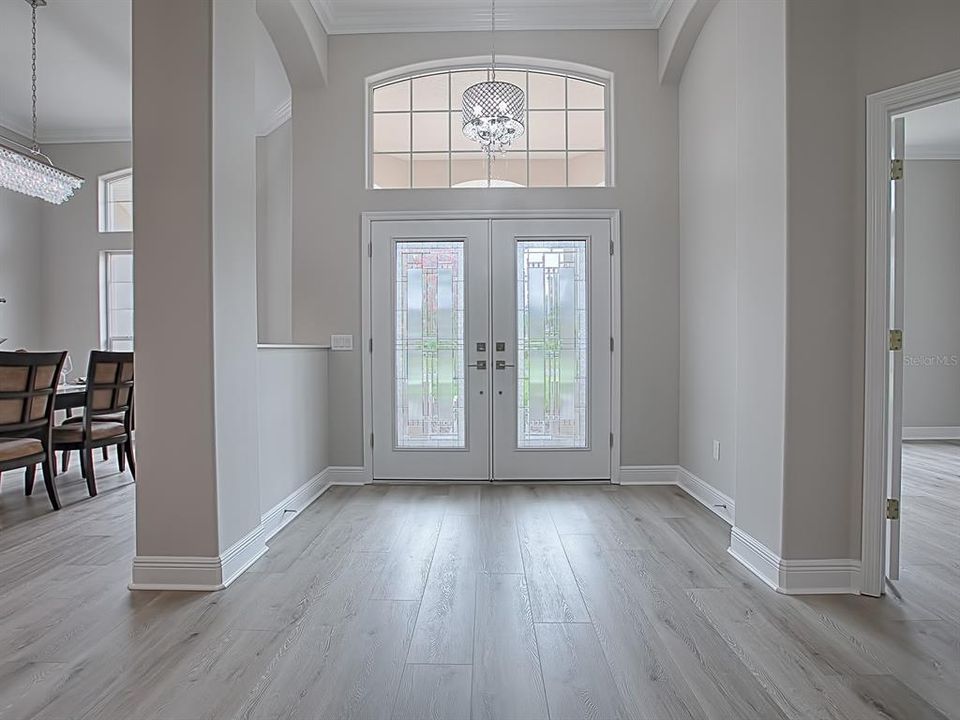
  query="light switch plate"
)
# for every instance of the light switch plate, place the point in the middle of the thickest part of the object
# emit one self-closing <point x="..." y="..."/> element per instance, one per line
<point x="341" y="342"/>
<point x="716" y="450"/>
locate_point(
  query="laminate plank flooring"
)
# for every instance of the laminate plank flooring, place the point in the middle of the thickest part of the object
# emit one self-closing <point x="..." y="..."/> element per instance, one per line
<point x="443" y="602"/>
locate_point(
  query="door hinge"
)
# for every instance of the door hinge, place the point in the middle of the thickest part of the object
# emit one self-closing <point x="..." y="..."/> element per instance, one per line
<point x="370" y="249"/>
<point x="611" y="247"/>
<point x="896" y="340"/>
<point x="371" y="439"/>
<point x="370" y="343"/>
<point x="611" y="439"/>
<point x="896" y="169"/>
<point x="893" y="509"/>
<point x="611" y="344"/>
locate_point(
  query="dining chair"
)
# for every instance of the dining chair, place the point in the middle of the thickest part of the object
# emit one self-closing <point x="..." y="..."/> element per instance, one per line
<point x="28" y="387"/>
<point x="107" y="417"/>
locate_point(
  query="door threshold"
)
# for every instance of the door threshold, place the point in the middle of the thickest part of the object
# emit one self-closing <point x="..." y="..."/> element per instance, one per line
<point x="532" y="481"/>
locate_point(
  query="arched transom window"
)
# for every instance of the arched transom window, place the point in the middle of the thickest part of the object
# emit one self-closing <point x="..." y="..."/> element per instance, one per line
<point x="416" y="139"/>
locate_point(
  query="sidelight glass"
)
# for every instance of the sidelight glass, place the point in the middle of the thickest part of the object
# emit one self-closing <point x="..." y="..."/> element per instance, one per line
<point x="429" y="345"/>
<point x="552" y="344"/>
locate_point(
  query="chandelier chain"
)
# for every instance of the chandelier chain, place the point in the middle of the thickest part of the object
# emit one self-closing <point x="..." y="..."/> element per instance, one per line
<point x="493" y="39"/>
<point x="33" y="5"/>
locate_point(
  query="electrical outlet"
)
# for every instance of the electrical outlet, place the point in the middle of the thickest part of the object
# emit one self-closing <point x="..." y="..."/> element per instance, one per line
<point x="716" y="450"/>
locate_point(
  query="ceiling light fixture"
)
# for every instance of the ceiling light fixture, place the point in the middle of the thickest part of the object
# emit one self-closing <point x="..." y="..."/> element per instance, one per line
<point x="493" y="112"/>
<point x="31" y="172"/>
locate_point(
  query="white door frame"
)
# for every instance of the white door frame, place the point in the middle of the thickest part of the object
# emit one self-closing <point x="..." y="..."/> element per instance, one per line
<point x="882" y="107"/>
<point x="366" y="222"/>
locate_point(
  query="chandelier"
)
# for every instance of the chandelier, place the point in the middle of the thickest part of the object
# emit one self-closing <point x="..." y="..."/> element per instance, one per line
<point x="493" y="110"/>
<point x="30" y="171"/>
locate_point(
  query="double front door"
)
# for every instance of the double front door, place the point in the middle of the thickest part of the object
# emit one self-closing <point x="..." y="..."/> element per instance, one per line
<point x="491" y="349"/>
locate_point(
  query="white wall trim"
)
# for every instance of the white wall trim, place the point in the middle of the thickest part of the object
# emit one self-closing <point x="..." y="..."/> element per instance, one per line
<point x="649" y="474"/>
<point x="931" y="433"/>
<point x="708" y="496"/>
<point x="282" y="346"/>
<point x="209" y="574"/>
<point x="881" y="108"/>
<point x="280" y="114"/>
<point x="340" y="18"/>
<point x="795" y="577"/>
<point x="712" y="499"/>
<point x="199" y="574"/>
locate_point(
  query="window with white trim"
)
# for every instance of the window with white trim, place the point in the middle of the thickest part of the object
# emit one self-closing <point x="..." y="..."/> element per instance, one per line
<point x="116" y="201"/>
<point x="116" y="300"/>
<point x="416" y="138"/>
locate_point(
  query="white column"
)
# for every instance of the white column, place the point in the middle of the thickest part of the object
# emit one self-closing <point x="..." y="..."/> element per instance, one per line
<point x="198" y="515"/>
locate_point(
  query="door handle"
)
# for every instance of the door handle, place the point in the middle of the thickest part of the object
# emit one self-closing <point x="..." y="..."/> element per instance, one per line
<point x="479" y="365"/>
<point x="503" y="365"/>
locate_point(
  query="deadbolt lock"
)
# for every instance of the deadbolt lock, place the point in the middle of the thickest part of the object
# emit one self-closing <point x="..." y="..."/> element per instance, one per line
<point x="501" y="347"/>
<point x="481" y="347"/>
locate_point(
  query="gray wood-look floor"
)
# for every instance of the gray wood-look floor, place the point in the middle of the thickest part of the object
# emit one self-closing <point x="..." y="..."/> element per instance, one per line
<point x="437" y="602"/>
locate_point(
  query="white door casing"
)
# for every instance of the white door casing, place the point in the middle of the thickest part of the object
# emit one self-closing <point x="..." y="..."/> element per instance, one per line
<point x="586" y="450"/>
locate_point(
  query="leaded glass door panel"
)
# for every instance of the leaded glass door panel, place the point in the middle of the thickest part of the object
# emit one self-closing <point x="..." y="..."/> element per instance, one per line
<point x="430" y="318"/>
<point x="551" y="334"/>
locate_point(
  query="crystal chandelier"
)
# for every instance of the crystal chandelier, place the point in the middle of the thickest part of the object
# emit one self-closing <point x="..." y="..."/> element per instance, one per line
<point x="31" y="172"/>
<point x="492" y="110"/>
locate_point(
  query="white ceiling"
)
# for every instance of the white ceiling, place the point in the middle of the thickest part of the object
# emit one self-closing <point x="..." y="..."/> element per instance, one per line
<point x="84" y="71"/>
<point x="934" y="132"/>
<point x="374" y="16"/>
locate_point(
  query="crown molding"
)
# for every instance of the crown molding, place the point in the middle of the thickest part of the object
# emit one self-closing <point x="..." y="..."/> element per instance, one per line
<point x="421" y="17"/>
<point x="282" y="113"/>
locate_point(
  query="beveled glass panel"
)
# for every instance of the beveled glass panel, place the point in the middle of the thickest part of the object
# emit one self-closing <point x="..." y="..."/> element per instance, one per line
<point x="429" y="345"/>
<point x="546" y="130"/>
<point x="431" y="92"/>
<point x="587" y="169"/>
<point x="392" y="97"/>
<point x="431" y="170"/>
<point x="468" y="170"/>
<point x="508" y="170"/>
<point x="391" y="132"/>
<point x="546" y="92"/>
<point x="391" y="171"/>
<point x="430" y="131"/>
<point x="548" y="169"/>
<point x="586" y="129"/>
<point x="552" y="344"/>
<point x="585" y="95"/>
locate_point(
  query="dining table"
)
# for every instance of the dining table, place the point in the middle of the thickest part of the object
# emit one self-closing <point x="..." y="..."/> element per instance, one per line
<point x="70" y="396"/>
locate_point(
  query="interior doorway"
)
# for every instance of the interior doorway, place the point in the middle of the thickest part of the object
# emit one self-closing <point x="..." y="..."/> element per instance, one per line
<point x="912" y="392"/>
<point x="492" y="345"/>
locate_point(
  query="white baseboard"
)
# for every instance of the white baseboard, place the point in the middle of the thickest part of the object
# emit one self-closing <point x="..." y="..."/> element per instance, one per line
<point x="931" y="433"/>
<point x="275" y="519"/>
<point x="708" y="496"/>
<point x="648" y="474"/>
<point x="349" y="475"/>
<point x="795" y="577"/>
<point x="209" y="574"/>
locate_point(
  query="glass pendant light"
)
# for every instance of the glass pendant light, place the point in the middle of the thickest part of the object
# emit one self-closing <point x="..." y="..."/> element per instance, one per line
<point x="493" y="111"/>
<point x="29" y="171"/>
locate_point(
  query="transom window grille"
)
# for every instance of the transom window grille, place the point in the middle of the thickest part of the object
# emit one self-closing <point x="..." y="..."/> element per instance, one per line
<point x="416" y="138"/>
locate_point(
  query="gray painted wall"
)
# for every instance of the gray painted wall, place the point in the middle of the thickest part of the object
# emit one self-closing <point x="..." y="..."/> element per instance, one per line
<point x="275" y="235"/>
<point x="21" y="316"/>
<point x="931" y="345"/>
<point x="72" y="243"/>
<point x="839" y="52"/>
<point x="292" y="392"/>
<point x="329" y="196"/>
<point x="708" y="252"/>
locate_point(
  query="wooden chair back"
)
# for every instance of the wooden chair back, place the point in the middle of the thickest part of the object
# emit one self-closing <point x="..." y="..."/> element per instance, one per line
<point x="28" y="387"/>
<point x="109" y="385"/>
